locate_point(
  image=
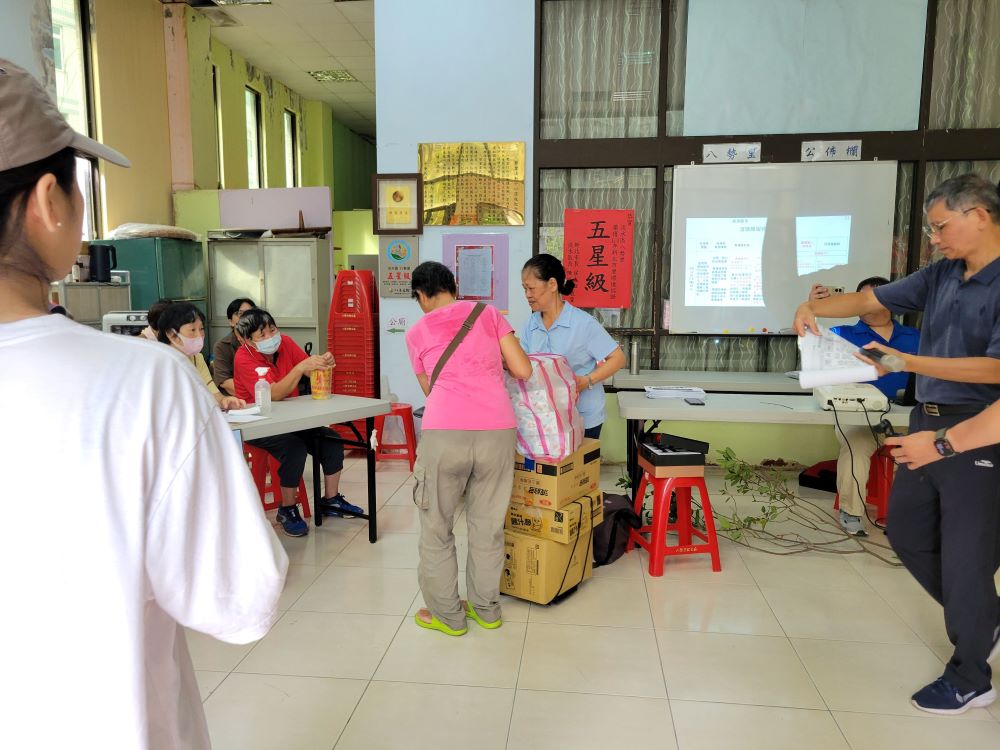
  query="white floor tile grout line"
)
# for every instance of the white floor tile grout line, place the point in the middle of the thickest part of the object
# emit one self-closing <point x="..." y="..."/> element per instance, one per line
<point x="517" y="678"/>
<point x="659" y="654"/>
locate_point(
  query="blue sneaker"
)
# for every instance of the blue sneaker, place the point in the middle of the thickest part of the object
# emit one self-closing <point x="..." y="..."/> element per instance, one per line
<point x="338" y="507"/>
<point x="291" y="522"/>
<point x="941" y="697"/>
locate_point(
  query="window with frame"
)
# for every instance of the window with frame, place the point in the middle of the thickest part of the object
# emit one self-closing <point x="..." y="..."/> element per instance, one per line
<point x="291" y="149"/>
<point x="255" y="160"/>
<point x="591" y="147"/>
<point x="69" y="55"/>
<point x="220" y="159"/>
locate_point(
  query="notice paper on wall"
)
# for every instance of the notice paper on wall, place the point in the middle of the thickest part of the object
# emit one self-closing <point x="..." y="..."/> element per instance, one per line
<point x="828" y="359"/>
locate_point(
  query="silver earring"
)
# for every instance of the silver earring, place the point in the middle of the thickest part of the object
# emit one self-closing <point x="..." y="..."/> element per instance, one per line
<point x="59" y="224"/>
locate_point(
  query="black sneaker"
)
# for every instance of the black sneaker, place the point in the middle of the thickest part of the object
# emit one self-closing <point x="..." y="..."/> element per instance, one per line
<point x="291" y="522"/>
<point x="338" y="507"/>
<point x="941" y="697"/>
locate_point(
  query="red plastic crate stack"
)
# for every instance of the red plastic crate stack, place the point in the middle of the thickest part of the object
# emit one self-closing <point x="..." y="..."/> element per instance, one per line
<point x="352" y="332"/>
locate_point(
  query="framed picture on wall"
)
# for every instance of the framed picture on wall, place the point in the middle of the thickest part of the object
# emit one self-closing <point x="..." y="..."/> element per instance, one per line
<point x="397" y="203"/>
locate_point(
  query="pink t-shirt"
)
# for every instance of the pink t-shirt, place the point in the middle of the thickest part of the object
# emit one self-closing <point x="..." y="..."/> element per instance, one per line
<point x="469" y="394"/>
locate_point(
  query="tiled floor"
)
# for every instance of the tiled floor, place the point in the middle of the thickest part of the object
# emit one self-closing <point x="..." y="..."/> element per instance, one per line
<point x="802" y="651"/>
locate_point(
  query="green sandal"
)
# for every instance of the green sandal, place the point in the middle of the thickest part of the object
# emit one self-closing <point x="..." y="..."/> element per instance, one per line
<point x="436" y="624"/>
<point x="471" y="613"/>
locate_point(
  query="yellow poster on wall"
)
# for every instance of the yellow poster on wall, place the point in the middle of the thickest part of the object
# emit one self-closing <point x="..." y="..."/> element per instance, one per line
<point x="473" y="184"/>
<point x="399" y="204"/>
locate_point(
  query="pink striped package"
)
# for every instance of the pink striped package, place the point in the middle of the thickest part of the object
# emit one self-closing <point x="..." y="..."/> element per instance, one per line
<point x="549" y="427"/>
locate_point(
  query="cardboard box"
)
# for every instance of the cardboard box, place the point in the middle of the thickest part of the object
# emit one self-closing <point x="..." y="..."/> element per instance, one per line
<point x="553" y="485"/>
<point x="558" y="525"/>
<point x="659" y="472"/>
<point x="538" y="570"/>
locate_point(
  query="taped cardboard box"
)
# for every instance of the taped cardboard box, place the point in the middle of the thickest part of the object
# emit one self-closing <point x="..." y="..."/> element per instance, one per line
<point x="538" y="570"/>
<point x="558" y="525"/>
<point x="553" y="485"/>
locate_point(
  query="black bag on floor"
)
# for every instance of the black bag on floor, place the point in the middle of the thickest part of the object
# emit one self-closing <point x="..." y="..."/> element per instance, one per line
<point x="611" y="534"/>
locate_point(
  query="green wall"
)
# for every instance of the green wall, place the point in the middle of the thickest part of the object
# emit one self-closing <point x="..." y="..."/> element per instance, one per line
<point x="352" y="235"/>
<point x="353" y="167"/>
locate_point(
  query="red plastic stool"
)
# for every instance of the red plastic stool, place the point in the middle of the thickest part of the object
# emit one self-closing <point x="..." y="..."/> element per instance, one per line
<point x="409" y="448"/>
<point x="879" y="486"/>
<point x="264" y="471"/>
<point x="656" y="545"/>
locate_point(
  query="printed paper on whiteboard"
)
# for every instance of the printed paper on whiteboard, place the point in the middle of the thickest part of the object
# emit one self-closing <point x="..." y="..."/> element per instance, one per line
<point x="822" y="242"/>
<point x="828" y="359"/>
<point x="724" y="262"/>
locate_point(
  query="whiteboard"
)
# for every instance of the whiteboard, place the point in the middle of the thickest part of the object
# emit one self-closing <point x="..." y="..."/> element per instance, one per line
<point x="749" y="240"/>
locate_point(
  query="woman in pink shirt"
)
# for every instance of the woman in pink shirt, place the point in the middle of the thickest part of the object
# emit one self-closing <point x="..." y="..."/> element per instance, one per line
<point x="467" y="448"/>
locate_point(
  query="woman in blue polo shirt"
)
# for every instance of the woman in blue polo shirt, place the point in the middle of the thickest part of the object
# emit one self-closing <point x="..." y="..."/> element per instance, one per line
<point x="556" y="327"/>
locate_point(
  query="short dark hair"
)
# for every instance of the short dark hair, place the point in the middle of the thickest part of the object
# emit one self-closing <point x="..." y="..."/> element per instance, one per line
<point x="432" y="278"/>
<point x="967" y="191"/>
<point x="872" y="281"/>
<point x="253" y="320"/>
<point x="545" y="267"/>
<point x="175" y="316"/>
<point x="155" y="311"/>
<point x="236" y="304"/>
<point x="15" y="187"/>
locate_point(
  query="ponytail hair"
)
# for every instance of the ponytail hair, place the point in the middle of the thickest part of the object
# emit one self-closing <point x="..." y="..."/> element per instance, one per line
<point x="545" y="267"/>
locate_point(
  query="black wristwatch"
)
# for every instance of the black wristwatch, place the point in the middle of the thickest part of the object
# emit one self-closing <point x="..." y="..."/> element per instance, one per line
<point x="943" y="445"/>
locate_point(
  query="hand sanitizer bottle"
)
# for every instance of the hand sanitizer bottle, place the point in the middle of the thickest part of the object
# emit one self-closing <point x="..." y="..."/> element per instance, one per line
<point x="262" y="392"/>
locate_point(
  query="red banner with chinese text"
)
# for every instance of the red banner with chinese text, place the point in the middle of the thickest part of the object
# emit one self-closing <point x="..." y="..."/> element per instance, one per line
<point x="597" y="254"/>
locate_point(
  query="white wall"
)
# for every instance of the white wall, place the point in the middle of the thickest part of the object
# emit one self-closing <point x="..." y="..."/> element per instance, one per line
<point x="449" y="71"/>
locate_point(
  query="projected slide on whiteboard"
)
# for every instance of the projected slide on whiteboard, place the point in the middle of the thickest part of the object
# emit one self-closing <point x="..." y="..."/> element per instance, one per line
<point x="724" y="262"/>
<point x="822" y="242"/>
<point x="749" y="240"/>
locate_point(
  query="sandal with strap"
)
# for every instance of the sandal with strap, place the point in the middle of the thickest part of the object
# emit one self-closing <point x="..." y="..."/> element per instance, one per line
<point x="436" y="624"/>
<point x="471" y="613"/>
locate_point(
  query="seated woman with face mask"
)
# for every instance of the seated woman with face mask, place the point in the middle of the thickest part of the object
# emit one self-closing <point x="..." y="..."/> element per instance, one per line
<point x="263" y="346"/>
<point x="182" y="326"/>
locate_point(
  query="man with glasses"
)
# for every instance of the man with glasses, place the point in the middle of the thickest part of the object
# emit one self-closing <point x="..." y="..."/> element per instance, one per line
<point x="944" y="518"/>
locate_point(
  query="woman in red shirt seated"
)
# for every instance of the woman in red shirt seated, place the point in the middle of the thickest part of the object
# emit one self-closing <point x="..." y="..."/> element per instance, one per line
<point x="286" y="363"/>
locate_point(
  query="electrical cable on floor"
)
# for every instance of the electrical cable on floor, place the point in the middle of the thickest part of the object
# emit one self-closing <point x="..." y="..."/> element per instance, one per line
<point x="854" y="476"/>
<point x="876" y="434"/>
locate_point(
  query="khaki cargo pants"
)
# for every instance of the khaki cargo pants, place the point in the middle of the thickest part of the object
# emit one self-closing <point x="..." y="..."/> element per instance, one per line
<point x="479" y="465"/>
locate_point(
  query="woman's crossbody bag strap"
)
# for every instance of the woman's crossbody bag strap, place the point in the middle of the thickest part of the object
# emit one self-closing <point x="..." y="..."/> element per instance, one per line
<point x="462" y="333"/>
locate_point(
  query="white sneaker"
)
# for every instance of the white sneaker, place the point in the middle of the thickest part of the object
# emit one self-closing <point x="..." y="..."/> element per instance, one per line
<point x="852" y="524"/>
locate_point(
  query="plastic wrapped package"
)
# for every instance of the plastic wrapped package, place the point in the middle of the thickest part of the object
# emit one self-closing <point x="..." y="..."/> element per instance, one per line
<point x="549" y="427"/>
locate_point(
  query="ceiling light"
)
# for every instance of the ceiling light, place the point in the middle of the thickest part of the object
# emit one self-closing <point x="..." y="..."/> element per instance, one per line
<point x="332" y="76"/>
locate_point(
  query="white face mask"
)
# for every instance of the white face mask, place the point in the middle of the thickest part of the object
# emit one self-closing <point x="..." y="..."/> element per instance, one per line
<point x="270" y="345"/>
<point x="191" y="346"/>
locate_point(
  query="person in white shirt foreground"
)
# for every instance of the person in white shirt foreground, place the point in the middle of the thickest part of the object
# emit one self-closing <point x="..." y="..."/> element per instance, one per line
<point x="154" y="523"/>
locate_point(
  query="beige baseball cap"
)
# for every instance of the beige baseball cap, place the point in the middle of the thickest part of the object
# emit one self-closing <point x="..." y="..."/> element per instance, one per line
<point x="32" y="128"/>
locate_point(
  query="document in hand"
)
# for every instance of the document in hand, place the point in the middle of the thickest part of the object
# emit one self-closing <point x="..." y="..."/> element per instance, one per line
<point x="828" y="359"/>
<point x="674" y="391"/>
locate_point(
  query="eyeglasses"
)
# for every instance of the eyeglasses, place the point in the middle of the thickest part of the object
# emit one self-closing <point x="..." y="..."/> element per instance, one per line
<point x="931" y="229"/>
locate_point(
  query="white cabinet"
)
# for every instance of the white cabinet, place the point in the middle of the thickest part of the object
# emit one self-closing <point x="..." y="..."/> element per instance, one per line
<point x="290" y="278"/>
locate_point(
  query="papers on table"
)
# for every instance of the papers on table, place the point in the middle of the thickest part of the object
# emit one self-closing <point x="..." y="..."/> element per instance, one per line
<point x="828" y="359"/>
<point x="674" y="391"/>
<point x="242" y="416"/>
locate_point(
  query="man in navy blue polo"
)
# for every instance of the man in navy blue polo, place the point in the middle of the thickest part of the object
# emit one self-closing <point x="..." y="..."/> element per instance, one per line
<point x="857" y="444"/>
<point x="944" y="518"/>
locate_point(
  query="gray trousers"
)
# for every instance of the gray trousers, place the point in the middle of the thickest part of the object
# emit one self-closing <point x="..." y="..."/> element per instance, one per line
<point x="479" y="465"/>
